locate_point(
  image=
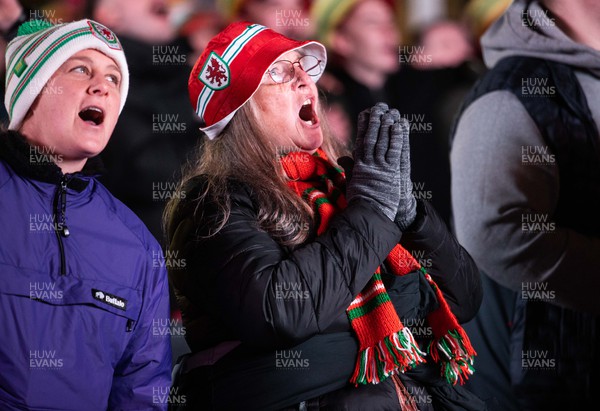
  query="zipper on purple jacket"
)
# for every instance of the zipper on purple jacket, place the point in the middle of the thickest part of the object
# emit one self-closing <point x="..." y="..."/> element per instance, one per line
<point x="60" y="220"/>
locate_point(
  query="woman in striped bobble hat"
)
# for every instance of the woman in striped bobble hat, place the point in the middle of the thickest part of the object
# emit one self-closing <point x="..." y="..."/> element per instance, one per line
<point x="307" y="286"/>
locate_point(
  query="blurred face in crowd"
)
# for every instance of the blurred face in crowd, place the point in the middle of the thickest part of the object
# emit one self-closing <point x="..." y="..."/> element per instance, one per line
<point x="369" y="37"/>
<point x="76" y="112"/>
<point x="288" y="111"/>
<point x="448" y="45"/>
<point x="287" y="17"/>
<point x="144" y="20"/>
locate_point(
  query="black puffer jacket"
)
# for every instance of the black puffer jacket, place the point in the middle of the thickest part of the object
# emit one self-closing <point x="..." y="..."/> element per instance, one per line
<point x="288" y="307"/>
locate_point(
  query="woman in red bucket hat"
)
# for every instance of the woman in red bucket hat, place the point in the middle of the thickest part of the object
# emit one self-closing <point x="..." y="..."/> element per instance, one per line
<point x="306" y="286"/>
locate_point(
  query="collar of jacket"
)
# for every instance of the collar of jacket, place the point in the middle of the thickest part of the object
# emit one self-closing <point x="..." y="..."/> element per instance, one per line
<point x="16" y="152"/>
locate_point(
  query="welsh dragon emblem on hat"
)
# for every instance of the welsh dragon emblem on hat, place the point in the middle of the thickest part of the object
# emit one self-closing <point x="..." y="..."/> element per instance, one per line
<point x="215" y="73"/>
<point x="104" y="34"/>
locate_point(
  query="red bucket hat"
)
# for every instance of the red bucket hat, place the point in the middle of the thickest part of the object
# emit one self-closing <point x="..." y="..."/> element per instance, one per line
<point x="230" y="70"/>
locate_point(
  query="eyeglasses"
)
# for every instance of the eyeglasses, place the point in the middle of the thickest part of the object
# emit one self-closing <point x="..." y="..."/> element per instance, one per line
<point x="282" y="71"/>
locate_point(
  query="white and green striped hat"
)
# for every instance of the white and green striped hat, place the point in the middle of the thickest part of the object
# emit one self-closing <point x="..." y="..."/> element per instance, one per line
<point x="40" y="48"/>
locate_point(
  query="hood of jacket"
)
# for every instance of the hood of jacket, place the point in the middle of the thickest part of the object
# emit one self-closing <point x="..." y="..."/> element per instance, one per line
<point x="528" y="29"/>
<point x="18" y="153"/>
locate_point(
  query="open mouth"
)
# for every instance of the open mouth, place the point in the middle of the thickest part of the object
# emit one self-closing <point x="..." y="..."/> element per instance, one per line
<point x="307" y="113"/>
<point x="92" y="114"/>
<point x="159" y="9"/>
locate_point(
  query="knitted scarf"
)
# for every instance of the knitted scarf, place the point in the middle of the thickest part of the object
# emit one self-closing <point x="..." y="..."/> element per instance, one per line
<point x="386" y="346"/>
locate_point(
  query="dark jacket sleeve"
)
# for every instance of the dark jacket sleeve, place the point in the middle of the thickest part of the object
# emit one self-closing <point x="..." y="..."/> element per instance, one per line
<point x="448" y="263"/>
<point x="269" y="296"/>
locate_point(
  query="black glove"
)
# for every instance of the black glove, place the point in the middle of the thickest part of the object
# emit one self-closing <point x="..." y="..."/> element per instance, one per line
<point x="376" y="171"/>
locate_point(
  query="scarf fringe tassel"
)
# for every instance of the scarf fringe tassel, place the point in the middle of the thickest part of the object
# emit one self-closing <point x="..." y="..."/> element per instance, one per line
<point x="456" y="354"/>
<point x="396" y="352"/>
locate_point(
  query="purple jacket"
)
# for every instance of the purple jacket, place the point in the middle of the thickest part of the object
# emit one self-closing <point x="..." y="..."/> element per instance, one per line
<point x="83" y="292"/>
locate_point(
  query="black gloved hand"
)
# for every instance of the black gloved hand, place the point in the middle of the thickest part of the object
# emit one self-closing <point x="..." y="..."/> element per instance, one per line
<point x="377" y="156"/>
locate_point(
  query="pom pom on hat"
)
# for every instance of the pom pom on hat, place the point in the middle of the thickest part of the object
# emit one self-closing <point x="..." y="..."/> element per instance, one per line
<point x="231" y="68"/>
<point x="33" y="26"/>
<point x="40" y="48"/>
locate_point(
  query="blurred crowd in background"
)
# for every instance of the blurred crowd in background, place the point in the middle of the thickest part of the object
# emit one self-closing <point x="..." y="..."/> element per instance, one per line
<point x="419" y="56"/>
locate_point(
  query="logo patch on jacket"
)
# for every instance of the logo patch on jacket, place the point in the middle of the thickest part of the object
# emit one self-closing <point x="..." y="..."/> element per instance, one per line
<point x="109" y="299"/>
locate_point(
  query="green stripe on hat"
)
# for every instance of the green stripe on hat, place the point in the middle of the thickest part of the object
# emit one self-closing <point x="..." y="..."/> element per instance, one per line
<point x="39" y="62"/>
<point x="41" y="48"/>
<point x="230" y="53"/>
<point x="25" y="49"/>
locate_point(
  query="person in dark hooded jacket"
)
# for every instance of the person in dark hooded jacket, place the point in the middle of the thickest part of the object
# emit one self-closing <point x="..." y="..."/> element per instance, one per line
<point x="83" y="291"/>
<point x="307" y="287"/>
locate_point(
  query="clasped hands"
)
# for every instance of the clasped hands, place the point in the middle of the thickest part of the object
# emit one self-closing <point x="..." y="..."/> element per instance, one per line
<point x="380" y="172"/>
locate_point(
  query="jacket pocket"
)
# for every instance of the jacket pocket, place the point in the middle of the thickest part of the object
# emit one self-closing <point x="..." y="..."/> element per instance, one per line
<point x="63" y="337"/>
<point x="69" y="290"/>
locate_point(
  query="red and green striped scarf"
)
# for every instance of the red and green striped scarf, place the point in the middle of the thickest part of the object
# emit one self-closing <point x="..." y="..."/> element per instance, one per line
<point x="386" y="346"/>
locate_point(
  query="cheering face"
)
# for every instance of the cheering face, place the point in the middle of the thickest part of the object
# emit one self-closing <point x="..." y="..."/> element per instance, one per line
<point x="287" y="103"/>
<point x="282" y="16"/>
<point x="77" y="110"/>
<point x="144" y="20"/>
<point x="369" y="37"/>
